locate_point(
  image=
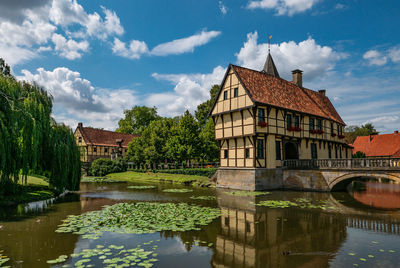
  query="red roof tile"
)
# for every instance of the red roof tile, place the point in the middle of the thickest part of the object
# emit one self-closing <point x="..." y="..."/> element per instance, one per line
<point x="95" y="136"/>
<point x="268" y="89"/>
<point x="378" y="145"/>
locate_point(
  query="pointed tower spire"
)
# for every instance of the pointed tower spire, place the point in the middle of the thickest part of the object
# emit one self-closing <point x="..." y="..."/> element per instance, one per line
<point x="269" y="66"/>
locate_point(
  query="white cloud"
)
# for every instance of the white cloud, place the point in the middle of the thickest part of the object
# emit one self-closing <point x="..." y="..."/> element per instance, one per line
<point x="375" y="57"/>
<point x="184" y="45"/>
<point x="179" y="46"/>
<point x="69" y="49"/>
<point x="394" y="54"/>
<point x="340" y="6"/>
<point x="315" y="60"/>
<point x="37" y="23"/>
<point x="190" y="90"/>
<point x="222" y="8"/>
<point x="77" y="99"/>
<point x="135" y="51"/>
<point x="283" y="7"/>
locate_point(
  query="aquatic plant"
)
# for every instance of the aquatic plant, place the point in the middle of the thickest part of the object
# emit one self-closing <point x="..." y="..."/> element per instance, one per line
<point x="277" y="204"/>
<point x="139" y="218"/>
<point x="247" y="193"/>
<point x="111" y="256"/>
<point x="141" y="187"/>
<point x="177" y="190"/>
<point x="203" y="197"/>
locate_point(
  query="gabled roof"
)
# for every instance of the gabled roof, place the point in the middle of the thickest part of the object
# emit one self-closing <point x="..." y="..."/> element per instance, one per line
<point x="95" y="136"/>
<point x="378" y="145"/>
<point x="268" y="89"/>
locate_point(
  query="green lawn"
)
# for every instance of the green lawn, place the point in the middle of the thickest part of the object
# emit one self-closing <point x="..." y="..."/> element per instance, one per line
<point x="35" y="189"/>
<point x="131" y="176"/>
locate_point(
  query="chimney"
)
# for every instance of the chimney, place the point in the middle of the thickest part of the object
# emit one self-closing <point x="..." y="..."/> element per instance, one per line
<point x="322" y="92"/>
<point x="80" y="125"/>
<point x="396" y="132"/>
<point x="297" y="77"/>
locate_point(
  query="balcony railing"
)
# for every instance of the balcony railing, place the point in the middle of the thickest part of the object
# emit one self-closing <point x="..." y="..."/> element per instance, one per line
<point x="351" y="164"/>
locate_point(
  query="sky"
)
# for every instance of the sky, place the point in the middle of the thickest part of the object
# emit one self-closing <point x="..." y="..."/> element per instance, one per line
<point x="98" y="58"/>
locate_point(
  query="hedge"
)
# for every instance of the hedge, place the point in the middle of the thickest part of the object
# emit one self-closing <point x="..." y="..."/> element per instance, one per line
<point x="207" y="172"/>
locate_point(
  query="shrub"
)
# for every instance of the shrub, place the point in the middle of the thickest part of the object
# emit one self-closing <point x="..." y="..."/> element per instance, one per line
<point x="103" y="166"/>
<point x="359" y="154"/>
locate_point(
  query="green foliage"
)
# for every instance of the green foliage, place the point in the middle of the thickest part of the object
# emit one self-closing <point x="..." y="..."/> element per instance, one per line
<point x="104" y="166"/>
<point x="181" y="139"/>
<point x="352" y="132"/>
<point x="184" y="144"/>
<point x="204" y="108"/>
<point x="359" y="154"/>
<point x="137" y="119"/>
<point x="207" y="172"/>
<point x="30" y="140"/>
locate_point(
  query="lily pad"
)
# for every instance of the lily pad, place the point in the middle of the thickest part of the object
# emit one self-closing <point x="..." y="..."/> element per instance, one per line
<point x="177" y="190"/>
<point x="141" y="187"/>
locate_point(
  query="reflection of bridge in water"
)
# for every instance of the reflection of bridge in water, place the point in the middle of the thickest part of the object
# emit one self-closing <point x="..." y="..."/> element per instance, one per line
<point x="254" y="236"/>
<point x="335" y="174"/>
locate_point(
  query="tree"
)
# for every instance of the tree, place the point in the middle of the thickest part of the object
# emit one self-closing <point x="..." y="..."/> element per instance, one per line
<point x="184" y="143"/>
<point x="352" y="132"/>
<point x="204" y="108"/>
<point x="359" y="154"/>
<point x="137" y="119"/>
<point x="209" y="146"/>
<point x="30" y="139"/>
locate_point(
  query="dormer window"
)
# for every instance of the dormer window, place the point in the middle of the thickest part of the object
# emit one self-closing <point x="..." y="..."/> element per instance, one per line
<point x="235" y="92"/>
<point x="225" y="94"/>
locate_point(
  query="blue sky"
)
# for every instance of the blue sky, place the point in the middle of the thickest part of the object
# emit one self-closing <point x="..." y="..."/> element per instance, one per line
<point x="98" y="58"/>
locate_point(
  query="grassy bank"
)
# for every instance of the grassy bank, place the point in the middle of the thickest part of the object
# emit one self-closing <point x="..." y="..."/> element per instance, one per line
<point x="36" y="189"/>
<point x="131" y="176"/>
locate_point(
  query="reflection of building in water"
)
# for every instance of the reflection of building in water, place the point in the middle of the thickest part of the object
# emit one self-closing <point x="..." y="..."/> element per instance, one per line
<point x="379" y="195"/>
<point x="253" y="236"/>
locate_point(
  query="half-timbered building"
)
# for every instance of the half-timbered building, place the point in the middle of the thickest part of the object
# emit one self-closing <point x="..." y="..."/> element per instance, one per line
<point x="261" y="119"/>
<point x="97" y="143"/>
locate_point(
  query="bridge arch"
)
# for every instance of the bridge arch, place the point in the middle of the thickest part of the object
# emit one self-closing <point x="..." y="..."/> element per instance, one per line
<point x="339" y="182"/>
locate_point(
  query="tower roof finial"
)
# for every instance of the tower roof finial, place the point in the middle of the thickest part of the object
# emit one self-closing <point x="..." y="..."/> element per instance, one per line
<point x="269" y="66"/>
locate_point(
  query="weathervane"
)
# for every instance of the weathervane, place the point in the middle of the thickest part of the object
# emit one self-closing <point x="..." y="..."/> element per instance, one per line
<point x="269" y="43"/>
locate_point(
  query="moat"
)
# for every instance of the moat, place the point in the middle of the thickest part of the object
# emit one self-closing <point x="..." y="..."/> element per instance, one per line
<point x="357" y="229"/>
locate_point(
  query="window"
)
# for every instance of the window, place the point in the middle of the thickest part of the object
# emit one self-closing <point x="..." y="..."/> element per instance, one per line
<point x="248" y="227"/>
<point x="278" y="150"/>
<point x="336" y="152"/>
<point x="94" y="149"/>
<point x="260" y="149"/>
<point x="312" y="126"/>
<point x="296" y="121"/>
<point x="340" y="153"/>
<point x="226" y="221"/>
<point x="339" y="130"/>
<point x="288" y="120"/>
<point x="347" y="155"/>
<point x="319" y="124"/>
<point x="329" y="151"/>
<point x="225" y="94"/>
<point x="80" y="139"/>
<point x="235" y="92"/>
<point x="247" y="152"/>
<point x="106" y="150"/>
<point x="314" y="151"/>
<point x="225" y="154"/>
<point x="261" y="115"/>
<point x="332" y="131"/>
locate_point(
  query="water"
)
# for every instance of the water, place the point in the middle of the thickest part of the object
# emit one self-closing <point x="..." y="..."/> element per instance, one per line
<point x="365" y="222"/>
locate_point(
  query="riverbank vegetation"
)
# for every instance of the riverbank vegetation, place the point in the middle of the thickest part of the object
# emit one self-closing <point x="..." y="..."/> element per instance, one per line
<point x="131" y="176"/>
<point x="31" y="141"/>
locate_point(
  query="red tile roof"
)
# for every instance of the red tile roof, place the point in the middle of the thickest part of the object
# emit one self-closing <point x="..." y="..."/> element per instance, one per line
<point x="378" y="145"/>
<point x="95" y="136"/>
<point x="268" y="89"/>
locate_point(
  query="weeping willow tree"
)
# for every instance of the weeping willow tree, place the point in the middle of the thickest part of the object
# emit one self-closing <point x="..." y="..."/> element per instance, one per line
<point x="30" y="140"/>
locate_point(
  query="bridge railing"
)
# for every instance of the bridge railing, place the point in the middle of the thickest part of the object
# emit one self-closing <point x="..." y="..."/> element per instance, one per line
<point x="353" y="163"/>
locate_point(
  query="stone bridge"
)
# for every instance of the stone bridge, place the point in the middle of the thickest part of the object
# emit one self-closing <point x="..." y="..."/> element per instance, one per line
<point x="336" y="174"/>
